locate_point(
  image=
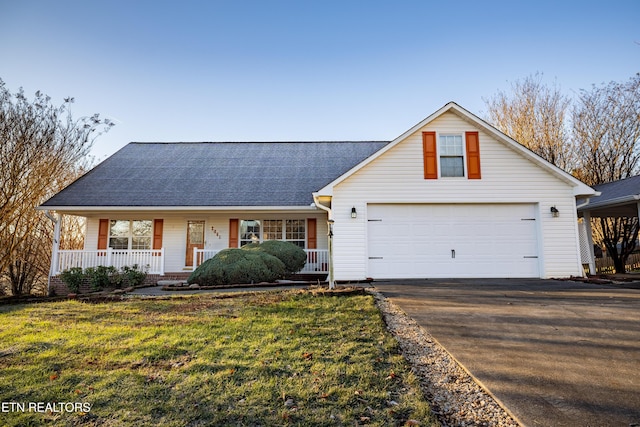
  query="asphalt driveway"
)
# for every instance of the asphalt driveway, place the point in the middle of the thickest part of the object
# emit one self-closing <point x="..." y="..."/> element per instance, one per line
<point x="554" y="353"/>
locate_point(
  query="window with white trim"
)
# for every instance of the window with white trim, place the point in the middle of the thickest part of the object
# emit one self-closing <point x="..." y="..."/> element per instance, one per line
<point x="289" y="230"/>
<point x="126" y="234"/>
<point x="451" y="153"/>
<point x="272" y="229"/>
<point x="249" y="231"/>
<point x="296" y="232"/>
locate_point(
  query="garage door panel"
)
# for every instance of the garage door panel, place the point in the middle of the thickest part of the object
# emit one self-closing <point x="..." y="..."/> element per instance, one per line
<point x="488" y="240"/>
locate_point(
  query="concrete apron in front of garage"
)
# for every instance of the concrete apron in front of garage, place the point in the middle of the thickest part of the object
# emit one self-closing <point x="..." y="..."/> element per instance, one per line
<point x="555" y="353"/>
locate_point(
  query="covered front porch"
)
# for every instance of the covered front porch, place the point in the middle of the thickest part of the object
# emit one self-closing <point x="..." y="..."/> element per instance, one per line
<point x="174" y="243"/>
<point x="153" y="261"/>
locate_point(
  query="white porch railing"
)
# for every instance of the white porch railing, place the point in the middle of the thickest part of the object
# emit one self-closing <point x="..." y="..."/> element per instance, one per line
<point x="317" y="259"/>
<point x="201" y="255"/>
<point x="152" y="259"/>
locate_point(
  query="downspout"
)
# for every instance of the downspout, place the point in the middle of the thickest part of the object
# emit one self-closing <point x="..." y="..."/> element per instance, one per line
<point x="332" y="283"/>
<point x="56" y="246"/>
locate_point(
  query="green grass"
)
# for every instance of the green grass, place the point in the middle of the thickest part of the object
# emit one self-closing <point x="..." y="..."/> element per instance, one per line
<point x="268" y="359"/>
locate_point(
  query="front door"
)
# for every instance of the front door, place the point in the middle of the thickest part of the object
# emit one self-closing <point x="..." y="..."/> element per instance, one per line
<point x="195" y="239"/>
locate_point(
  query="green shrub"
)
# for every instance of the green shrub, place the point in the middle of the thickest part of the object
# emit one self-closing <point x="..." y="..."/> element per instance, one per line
<point x="101" y="277"/>
<point x="293" y="257"/>
<point x="73" y="278"/>
<point x="134" y="275"/>
<point x="115" y="278"/>
<point x="231" y="266"/>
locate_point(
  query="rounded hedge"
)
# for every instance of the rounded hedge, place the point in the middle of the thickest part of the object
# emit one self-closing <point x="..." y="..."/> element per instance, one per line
<point x="293" y="257"/>
<point x="238" y="266"/>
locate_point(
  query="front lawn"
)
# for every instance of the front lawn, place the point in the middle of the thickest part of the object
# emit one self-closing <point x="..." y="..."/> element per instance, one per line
<point x="285" y="358"/>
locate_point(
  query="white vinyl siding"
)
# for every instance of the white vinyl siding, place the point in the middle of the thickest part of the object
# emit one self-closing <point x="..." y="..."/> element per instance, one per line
<point x="507" y="177"/>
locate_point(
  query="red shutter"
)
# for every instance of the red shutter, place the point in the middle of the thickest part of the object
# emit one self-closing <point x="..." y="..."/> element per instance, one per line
<point x="430" y="155"/>
<point x="312" y="234"/>
<point x="158" y="225"/>
<point x="103" y="234"/>
<point x="473" y="155"/>
<point x="233" y="232"/>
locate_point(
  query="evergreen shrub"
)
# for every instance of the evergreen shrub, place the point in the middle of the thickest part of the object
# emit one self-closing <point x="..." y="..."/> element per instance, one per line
<point x="101" y="277"/>
<point x="293" y="257"/>
<point x="238" y="266"/>
<point x="134" y="275"/>
<point x="73" y="278"/>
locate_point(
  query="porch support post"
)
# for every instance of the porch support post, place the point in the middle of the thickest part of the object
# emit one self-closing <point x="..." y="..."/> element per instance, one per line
<point x="162" y="261"/>
<point x="592" y="256"/>
<point x="195" y="258"/>
<point x="55" y="250"/>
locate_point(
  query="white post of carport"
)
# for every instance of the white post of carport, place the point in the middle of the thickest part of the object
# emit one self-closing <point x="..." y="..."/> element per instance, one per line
<point x="592" y="256"/>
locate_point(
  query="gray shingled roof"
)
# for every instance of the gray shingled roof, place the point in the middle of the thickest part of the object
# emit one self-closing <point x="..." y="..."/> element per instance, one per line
<point x="617" y="198"/>
<point x="214" y="174"/>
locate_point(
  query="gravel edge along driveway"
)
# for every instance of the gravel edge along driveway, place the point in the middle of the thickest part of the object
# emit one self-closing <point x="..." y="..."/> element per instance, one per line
<point x="456" y="398"/>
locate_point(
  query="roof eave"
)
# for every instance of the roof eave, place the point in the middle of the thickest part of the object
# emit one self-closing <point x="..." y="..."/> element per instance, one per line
<point x="96" y="209"/>
<point x="618" y="201"/>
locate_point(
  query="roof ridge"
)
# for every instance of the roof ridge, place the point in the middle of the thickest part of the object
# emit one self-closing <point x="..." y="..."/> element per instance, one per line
<point x="259" y="142"/>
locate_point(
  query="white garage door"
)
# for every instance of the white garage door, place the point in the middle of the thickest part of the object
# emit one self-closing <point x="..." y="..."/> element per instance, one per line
<point x="466" y="240"/>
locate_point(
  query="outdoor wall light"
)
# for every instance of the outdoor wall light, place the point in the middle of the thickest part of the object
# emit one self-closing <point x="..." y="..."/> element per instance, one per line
<point x="555" y="212"/>
<point x="354" y="214"/>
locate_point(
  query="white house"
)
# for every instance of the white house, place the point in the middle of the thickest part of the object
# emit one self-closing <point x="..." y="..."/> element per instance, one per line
<point x="451" y="197"/>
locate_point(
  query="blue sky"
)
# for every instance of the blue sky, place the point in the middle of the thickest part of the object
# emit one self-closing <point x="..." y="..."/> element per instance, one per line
<point x="302" y="70"/>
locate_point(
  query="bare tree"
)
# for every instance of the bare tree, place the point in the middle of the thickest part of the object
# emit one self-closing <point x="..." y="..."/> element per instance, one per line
<point x="619" y="235"/>
<point x="602" y="144"/>
<point x="72" y="234"/>
<point x="606" y="128"/>
<point x="42" y="149"/>
<point x="535" y="116"/>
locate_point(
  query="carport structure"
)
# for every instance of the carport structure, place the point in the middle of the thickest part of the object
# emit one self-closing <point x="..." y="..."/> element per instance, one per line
<point x="616" y="199"/>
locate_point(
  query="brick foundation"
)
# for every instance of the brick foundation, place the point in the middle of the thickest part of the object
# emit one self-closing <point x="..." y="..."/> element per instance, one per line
<point x="181" y="275"/>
